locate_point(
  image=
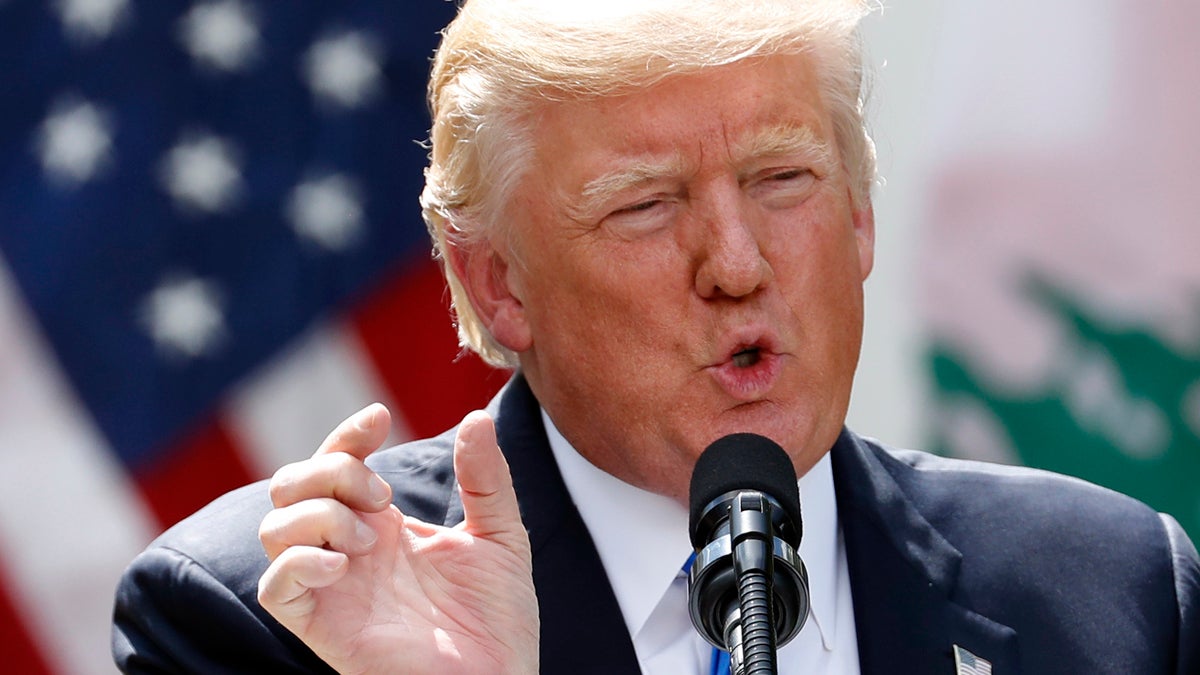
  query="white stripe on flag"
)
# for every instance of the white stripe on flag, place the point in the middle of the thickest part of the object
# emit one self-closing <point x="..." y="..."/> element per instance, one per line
<point x="69" y="519"/>
<point x="282" y="413"/>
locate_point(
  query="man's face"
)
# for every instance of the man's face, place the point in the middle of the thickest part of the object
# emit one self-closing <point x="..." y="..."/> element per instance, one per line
<point x="692" y="267"/>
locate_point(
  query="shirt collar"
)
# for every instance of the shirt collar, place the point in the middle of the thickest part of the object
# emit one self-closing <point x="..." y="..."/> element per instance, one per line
<point x="642" y="537"/>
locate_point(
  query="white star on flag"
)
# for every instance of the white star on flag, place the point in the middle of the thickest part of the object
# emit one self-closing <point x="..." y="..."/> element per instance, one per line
<point x="201" y="172"/>
<point x="327" y="211"/>
<point x="184" y="316"/>
<point x="343" y="71"/>
<point x="221" y="36"/>
<point x="75" y="141"/>
<point x="87" y="22"/>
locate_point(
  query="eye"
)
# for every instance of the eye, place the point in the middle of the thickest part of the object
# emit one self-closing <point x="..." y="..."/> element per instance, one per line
<point x="783" y="188"/>
<point x="640" y="206"/>
<point x="789" y="175"/>
<point x="640" y="218"/>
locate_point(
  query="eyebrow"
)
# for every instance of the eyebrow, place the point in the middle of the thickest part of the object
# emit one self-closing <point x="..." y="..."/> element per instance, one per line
<point x="785" y="140"/>
<point x="600" y="189"/>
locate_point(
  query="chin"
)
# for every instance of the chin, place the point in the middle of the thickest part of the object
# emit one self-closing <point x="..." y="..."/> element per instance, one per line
<point x="766" y="418"/>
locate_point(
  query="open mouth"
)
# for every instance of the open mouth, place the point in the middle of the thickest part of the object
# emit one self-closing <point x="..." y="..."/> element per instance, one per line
<point x="747" y="357"/>
<point x="749" y="373"/>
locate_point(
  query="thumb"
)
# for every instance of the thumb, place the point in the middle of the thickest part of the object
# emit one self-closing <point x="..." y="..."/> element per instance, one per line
<point x="489" y="502"/>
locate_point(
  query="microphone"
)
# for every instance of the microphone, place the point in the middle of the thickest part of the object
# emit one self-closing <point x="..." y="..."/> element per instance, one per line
<point x="747" y="588"/>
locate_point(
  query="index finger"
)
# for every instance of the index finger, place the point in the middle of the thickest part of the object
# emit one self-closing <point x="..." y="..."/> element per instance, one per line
<point x="360" y="434"/>
<point x="336" y="469"/>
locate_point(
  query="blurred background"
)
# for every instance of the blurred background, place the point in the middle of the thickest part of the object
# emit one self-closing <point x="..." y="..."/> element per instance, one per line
<point x="211" y="252"/>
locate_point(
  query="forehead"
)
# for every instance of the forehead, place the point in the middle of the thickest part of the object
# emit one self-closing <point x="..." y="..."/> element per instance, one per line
<point x="760" y="105"/>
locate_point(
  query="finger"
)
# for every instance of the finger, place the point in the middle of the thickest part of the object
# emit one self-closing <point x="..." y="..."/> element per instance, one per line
<point x="489" y="502"/>
<point x="285" y="589"/>
<point x="336" y="475"/>
<point x="359" y="434"/>
<point x="321" y="523"/>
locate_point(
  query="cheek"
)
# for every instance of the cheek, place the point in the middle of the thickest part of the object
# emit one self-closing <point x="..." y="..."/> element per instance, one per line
<point x="636" y="334"/>
<point x="595" y="300"/>
<point x="819" y="270"/>
<point x="624" y="283"/>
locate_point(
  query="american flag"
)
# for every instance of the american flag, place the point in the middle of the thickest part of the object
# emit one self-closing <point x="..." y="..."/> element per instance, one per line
<point x="966" y="663"/>
<point x="210" y="252"/>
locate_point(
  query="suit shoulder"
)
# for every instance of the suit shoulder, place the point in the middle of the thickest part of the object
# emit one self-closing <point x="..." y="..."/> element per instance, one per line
<point x="1031" y="523"/>
<point x="1030" y="518"/>
<point x="983" y="490"/>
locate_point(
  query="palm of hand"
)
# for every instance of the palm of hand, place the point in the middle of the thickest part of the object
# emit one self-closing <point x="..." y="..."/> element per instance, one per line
<point x="442" y="599"/>
<point x="418" y="597"/>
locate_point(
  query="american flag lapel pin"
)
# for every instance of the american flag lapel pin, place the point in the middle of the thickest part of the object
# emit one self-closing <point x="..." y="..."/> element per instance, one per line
<point x="966" y="663"/>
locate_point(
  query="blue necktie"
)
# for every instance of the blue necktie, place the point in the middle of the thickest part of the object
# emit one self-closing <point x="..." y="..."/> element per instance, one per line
<point x="720" y="662"/>
<point x="720" y="657"/>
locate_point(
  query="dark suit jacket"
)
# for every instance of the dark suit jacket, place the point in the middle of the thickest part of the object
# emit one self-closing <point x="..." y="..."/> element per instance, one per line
<point x="1034" y="572"/>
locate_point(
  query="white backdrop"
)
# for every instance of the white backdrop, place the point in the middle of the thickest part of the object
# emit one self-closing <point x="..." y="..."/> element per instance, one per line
<point x="891" y="390"/>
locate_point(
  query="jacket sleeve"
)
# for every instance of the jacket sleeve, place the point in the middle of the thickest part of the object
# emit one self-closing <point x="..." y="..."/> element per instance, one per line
<point x="172" y="615"/>
<point x="1187" y="592"/>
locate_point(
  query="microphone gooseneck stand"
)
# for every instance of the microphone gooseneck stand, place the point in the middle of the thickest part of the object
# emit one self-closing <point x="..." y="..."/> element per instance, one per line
<point x="753" y="565"/>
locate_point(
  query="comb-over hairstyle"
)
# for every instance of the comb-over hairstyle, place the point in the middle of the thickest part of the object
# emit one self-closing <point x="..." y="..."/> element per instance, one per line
<point x="501" y="59"/>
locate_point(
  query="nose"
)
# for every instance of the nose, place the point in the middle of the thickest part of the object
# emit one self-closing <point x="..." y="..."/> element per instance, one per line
<point x="731" y="263"/>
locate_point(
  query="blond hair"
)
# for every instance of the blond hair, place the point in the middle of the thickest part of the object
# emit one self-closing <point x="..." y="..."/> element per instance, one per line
<point x="499" y="59"/>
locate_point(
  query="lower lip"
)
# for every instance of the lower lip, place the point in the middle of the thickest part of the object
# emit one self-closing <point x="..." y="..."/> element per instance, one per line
<point x="751" y="383"/>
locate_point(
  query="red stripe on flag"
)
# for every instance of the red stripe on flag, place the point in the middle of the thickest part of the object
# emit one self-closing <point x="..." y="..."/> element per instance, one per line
<point x="406" y="330"/>
<point x="202" y="466"/>
<point x="21" y="653"/>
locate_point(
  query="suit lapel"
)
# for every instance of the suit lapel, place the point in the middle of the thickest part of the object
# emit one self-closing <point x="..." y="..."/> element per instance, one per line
<point x="582" y="628"/>
<point x="903" y="576"/>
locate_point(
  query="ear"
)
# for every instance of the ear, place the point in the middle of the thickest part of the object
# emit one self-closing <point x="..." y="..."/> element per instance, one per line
<point x="490" y="285"/>
<point x="864" y="235"/>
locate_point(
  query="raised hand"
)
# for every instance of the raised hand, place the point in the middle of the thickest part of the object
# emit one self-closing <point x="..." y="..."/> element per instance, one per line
<point x="372" y="591"/>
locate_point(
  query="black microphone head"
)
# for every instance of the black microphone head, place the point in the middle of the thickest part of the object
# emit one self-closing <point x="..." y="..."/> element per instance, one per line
<point x="742" y="462"/>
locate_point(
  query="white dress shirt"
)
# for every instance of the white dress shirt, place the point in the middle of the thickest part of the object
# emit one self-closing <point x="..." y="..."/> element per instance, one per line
<point x="642" y="539"/>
